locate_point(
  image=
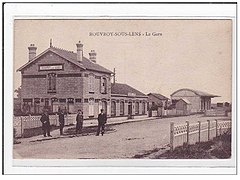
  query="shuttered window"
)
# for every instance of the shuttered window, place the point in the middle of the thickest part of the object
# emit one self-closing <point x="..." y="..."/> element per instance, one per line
<point x="91" y="79"/>
<point x="137" y="108"/>
<point x="52" y="82"/>
<point x="113" y="108"/>
<point x="121" y="108"/>
<point x="91" y="107"/>
<point x="103" y="85"/>
<point x="143" y="108"/>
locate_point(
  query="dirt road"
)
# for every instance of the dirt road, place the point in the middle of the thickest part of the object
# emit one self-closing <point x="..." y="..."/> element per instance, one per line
<point x="125" y="141"/>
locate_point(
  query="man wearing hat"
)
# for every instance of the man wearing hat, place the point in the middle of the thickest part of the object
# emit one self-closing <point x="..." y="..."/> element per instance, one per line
<point x="45" y="124"/>
<point x="102" y="120"/>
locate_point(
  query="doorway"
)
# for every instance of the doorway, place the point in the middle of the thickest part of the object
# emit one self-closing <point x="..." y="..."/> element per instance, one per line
<point x="104" y="106"/>
<point x="130" y="108"/>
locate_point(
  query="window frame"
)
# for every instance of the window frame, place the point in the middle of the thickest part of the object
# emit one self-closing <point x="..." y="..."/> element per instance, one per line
<point x="91" y="78"/>
<point x="52" y="83"/>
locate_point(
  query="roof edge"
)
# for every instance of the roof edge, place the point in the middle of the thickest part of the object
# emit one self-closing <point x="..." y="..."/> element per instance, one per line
<point x="41" y="54"/>
<point x="157" y="97"/>
<point x="211" y="95"/>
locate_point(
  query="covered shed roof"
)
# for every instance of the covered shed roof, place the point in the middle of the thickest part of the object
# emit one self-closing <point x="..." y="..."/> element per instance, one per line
<point x="197" y="92"/>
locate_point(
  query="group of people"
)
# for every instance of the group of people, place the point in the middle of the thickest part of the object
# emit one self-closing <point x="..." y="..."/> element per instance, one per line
<point x="102" y="120"/>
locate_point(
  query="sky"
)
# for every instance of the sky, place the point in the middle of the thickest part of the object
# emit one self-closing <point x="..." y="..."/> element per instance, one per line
<point x="158" y="56"/>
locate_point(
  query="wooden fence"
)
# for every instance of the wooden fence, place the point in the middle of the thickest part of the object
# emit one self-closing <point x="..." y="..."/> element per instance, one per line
<point x="20" y="123"/>
<point x="197" y="132"/>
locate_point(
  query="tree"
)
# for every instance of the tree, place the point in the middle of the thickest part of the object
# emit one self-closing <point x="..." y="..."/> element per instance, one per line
<point x="18" y="91"/>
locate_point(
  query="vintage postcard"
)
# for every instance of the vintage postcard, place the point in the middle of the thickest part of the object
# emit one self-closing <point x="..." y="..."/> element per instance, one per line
<point x="142" y="90"/>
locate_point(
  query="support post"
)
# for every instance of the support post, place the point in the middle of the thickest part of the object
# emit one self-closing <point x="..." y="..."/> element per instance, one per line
<point x="171" y="135"/>
<point x="208" y="129"/>
<point x="216" y="127"/>
<point x="187" y="132"/>
<point x="199" y="131"/>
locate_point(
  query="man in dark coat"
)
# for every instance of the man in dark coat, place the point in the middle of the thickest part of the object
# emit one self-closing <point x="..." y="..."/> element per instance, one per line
<point x="102" y="120"/>
<point x="61" y="117"/>
<point x="79" y="120"/>
<point x="45" y="124"/>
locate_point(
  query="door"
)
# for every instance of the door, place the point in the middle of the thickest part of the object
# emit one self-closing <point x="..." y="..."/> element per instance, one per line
<point x="129" y="108"/>
<point x="104" y="106"/>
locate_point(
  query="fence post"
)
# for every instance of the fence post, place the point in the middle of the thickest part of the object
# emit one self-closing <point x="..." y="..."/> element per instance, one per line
<point x="22" y="126"/>
<point x="208" y="129"/>
<point x="220" y="130"/>
<point x="199" y="131"/>
<point x="56" y="116"/>
<point x="187" y="132"/>
<point x="30" y="123"/>
<point x="67" y="119"/>
<point x="171" y="135"/>
<point x="216" y="127"/>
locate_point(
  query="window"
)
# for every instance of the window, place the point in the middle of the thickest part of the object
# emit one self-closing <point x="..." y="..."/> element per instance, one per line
<point x="78" y="100"/>
<point x="27" y="103"/>
<point x="91" y="79"/>
<point x="51" y="82"/>
<point x="137" y="108"/>
<point x="113" y="108"/>
<point x="61" y="100"/>
<point x="103" y="83"/>
<point x="143" y="108"/>
<point x="46" y="102"/>
<point x="121" y="108"/>
<point x="91" y="107"/>
<point x="70" y="100"/>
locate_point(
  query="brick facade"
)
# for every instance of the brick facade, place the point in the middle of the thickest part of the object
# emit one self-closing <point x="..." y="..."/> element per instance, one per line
<point x="71" y="86"/>
<point x="59" y="79"/>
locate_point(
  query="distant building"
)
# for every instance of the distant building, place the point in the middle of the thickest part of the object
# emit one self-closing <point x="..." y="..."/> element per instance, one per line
<point x="125" y="100"/>
<point x="199" y="101"/>
<point x="156" y="99"/>
<point x="183" y="107"/>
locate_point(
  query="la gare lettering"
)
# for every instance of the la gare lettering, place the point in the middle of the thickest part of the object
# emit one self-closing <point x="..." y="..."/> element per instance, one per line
<point x="153" y="34"/>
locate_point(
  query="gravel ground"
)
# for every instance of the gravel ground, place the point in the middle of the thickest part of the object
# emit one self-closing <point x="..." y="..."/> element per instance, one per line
<point x="125" y="141"/>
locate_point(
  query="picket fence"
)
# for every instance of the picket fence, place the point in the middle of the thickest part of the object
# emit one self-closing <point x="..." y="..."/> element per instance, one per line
<point x="20" y="123"/>
<point x="197" y="132"/>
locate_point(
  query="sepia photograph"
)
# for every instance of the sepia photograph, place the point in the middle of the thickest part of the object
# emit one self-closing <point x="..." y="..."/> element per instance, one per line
<point x="116" y="89"/>
<point x="110" y="87"/>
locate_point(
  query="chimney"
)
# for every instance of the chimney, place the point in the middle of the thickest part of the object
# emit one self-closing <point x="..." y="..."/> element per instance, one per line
<point x="92" y="56"/>
<point x="32" y="51"/>
<point x="79" y="51"/>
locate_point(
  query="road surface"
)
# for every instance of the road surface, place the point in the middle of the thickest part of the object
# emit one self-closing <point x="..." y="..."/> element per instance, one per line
<point x="127" y="140"/>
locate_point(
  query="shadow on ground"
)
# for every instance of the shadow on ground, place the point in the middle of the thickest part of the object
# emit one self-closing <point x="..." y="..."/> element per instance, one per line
<point x="88" y="131"/>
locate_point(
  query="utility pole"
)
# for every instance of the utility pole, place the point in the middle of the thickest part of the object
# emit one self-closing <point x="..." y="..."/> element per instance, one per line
<point x="114" y="73"/>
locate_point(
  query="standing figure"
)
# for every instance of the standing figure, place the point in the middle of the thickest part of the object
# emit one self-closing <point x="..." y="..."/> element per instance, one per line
<point x="61" y="119"/>
<point x="45" y="124"/>
<point x="102" y="120"/>
<point x="79" y="120"/>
